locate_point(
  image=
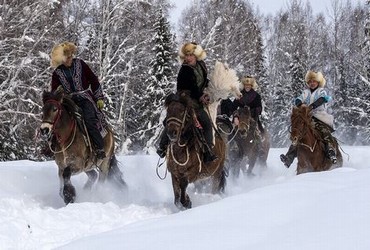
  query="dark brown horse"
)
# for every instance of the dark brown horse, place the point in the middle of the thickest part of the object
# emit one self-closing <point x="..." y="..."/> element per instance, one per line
<point x="310" y="146"/>
<point x="244" y="147"/>
<point x="73" y="154"/>
<point x="184" y="153"/>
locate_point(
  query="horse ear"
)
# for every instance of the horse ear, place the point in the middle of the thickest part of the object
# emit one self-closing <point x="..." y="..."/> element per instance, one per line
<point x="45" y="95"/>
<point x="59" y="96"/>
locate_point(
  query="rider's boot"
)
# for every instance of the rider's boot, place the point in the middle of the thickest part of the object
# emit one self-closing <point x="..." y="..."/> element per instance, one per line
<point x="331" y="153"/>
<point x="209" y="155"/>
<point x="288" y="158"/>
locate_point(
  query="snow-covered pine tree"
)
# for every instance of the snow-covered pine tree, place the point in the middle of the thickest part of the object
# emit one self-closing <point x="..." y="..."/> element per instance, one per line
<point x="160" y="81"/>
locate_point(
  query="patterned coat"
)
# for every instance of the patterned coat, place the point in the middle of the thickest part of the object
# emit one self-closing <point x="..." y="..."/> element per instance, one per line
<point x="251" y="99"/>
<point x="308" y="97"/>
<point x="79" y="78"/>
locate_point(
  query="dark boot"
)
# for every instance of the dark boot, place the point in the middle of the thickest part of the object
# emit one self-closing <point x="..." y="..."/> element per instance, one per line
<point x="206" y="123"/>
<point x="209" y="155"/>
<point x="91" y="121"/>
<point x="288" y="158"/>
<point x="332" y="154"/>
<point x="163" y="144"/>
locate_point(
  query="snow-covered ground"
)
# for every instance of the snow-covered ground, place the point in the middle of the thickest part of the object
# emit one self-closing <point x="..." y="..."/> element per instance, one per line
<point x="273" y="210"/>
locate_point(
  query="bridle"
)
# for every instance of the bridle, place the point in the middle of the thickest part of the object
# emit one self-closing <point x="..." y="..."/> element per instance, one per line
<point x="297" y="139"/>
<point x="55" y="131"/>
<point x="178" y="122"/>
<point x="181" y="123"/>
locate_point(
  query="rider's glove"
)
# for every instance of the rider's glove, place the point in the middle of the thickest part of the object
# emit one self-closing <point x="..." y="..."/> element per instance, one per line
<point x="100" y="104"/>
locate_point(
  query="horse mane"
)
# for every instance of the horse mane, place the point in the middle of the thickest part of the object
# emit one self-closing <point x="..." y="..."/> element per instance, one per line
<point x="184" y="98"/>
<point x="59" y="96"/>
<point x="181" y="97"/>
<point x="303" y="112"/>
<point x="245" y="111"/>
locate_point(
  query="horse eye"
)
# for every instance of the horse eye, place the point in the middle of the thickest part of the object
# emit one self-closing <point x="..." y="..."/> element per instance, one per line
<point x="55" y="109"/>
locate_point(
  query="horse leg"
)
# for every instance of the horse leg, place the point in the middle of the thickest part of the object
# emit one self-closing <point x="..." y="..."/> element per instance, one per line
<point x="184" y="197"/>
<point x="92" y="176"/>
<point x="251" y="162"/>
<point x="219" y="182"/>
<point x="115" y="174"/>
<point x="176" y="191"/>
<point x="68" y="191"/>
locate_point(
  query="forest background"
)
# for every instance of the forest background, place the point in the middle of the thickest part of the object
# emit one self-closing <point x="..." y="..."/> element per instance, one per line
<point x="132" y="48"/>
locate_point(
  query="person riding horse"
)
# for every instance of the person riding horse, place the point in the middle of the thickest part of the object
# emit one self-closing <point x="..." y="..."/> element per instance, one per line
<point x="75" y="78"/>
<point x="316" y="98"/>
<point x="250" y="98"/>
<point x="192" y="80"/>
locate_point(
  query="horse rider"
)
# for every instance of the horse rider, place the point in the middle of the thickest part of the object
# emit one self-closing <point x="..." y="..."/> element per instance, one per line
<point x="250" y="98"/>
<point x="316" y="98"/>
<point x="192" y="80"/>
<point x="76" y="78"/>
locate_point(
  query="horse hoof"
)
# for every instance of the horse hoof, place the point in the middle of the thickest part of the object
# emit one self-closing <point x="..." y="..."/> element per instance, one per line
<point x="69" y="194"/>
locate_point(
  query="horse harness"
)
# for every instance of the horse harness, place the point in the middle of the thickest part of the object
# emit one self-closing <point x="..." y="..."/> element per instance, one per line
<point x="181" y="123"/>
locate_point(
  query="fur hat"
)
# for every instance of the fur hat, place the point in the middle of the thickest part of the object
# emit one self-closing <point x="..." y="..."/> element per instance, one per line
<point x="248" y="80"/>
<point x="192" y="49"/>
<point x="316" y="76"/>
<point x="60" y="53"/>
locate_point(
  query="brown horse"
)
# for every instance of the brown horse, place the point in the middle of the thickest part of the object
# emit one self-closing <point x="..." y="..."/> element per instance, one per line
<point x="310" y="146"/>
<point x="246" y="150"/>
<point x="184" y="153"/>
<point x="73" y="154"/>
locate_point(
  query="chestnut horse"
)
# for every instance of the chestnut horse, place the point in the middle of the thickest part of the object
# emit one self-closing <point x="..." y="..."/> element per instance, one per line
<point x="311" y="151"/>
<point x="184" y="153"/>
<point x="247" y="151"/>
<point x="73" y="154"/>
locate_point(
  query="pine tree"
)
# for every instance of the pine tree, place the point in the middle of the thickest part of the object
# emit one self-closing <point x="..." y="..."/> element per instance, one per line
<point x="160" y="82"/>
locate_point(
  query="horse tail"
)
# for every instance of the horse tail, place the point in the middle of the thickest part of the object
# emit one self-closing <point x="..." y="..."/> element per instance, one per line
<point x="115" y="174"/>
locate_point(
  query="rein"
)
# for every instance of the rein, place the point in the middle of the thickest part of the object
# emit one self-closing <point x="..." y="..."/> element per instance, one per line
<point x="177" y="121"/>
<point x="181" y="122"/>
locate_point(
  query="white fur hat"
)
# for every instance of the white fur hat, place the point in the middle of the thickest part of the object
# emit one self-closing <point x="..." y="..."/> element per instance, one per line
<point x="316" y="76"/>
<point x="60" y="53"/>
<point x="192" y="48"/>
<point x="248" y="80"/>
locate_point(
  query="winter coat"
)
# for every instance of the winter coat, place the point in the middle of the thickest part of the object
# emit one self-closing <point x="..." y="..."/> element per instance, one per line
<point x="309" y="97"/>
<point x="80" y="79"/>
<point x="193" y="80"/>
<point x="251" y="99"/>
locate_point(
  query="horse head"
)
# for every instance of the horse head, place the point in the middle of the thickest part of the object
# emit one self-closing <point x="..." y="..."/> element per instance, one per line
<point x="245" y="120"/>
<point x="179" y="116"/>
<point x="301" y="122"/>
<point x="51" y="112"/>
